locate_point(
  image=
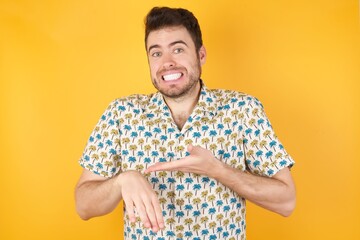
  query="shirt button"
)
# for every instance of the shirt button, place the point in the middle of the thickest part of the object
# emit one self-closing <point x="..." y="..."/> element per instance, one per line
<point x="181" y="138"/>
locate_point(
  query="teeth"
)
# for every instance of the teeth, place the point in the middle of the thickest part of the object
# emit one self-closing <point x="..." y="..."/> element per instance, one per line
<point x="172" y="77"/>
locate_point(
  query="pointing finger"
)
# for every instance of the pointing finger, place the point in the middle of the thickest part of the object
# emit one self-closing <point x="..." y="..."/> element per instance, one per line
<point x="165" y="166"/>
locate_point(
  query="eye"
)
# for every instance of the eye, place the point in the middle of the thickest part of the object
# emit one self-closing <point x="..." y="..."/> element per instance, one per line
<point x="178" y="50"/>
<point x="156" y="54"/>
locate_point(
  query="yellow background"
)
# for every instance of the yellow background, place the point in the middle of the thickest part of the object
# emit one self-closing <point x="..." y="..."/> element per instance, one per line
<point x="62" y="62"/>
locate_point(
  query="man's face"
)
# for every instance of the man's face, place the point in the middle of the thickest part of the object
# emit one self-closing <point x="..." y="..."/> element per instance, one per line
<point x="175" y="66"/>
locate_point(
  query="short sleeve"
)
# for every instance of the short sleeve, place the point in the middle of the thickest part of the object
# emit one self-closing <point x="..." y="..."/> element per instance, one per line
<point x="264" y="153"/>
<point x="102" y="151"/>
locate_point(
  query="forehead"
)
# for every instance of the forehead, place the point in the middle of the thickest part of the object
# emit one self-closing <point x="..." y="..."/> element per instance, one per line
<point x="165" y="36"/>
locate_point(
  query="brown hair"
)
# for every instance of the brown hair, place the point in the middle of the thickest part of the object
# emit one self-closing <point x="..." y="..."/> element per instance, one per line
<point x="161" y="17"/>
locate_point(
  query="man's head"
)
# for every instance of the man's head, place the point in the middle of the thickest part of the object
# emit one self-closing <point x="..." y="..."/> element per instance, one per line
<point x="163" y="17"/>
<point x="175" y="52"/>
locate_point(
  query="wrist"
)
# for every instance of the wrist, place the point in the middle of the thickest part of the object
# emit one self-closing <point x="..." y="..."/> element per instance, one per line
<point x="118" y="180"/>
<point x="217" y="169"/>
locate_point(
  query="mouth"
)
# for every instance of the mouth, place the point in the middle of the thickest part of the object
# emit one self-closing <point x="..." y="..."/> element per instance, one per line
<point x="172" y="76"/>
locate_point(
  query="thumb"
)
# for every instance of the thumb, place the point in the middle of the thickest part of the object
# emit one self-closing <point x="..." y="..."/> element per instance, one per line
<point x="193" y="150"/>
<point x="190" y="147"/>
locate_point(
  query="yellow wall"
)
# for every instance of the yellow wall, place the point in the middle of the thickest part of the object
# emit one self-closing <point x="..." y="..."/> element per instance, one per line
<point x="62" y="62"/>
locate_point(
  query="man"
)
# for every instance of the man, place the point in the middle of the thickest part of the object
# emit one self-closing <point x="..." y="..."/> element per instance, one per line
<point x="185" y="158"/>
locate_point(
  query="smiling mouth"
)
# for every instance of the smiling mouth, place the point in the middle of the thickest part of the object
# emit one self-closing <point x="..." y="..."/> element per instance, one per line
<point x="172" y="77"/>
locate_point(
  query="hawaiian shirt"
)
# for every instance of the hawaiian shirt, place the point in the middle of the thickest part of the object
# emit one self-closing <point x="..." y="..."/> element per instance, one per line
<point x="137" y="131"/>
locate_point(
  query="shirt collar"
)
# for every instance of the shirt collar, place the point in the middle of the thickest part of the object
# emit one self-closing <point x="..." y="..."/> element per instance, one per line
<point x="207" y="103"/>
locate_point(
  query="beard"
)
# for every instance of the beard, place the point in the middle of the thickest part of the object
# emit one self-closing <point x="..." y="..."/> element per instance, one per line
<point x="174" y="91"/>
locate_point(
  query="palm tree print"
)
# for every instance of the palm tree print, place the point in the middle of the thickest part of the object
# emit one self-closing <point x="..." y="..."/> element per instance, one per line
<point x="137" y="131"/>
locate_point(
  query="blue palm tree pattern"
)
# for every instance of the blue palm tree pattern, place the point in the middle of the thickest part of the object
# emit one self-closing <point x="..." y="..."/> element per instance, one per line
<point x="137" y="131"/>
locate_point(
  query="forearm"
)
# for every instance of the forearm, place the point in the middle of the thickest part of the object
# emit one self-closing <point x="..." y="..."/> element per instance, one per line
<point x="275" y="194"/>
<point x="95" y="198"/>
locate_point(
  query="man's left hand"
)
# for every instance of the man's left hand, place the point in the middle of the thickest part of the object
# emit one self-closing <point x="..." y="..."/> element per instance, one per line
<point x="200" y="161"/>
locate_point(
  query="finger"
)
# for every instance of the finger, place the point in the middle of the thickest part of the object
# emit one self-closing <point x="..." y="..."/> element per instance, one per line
<point x="190" y="147"/>
<point x="152" y="216"/>
<point x="194" y="150"/>
<point x="141" y="211"/>
<point x="158" y="167"/>
<point x="129" y="206"/>
<point x="165" y="166"/>
<point x="158" y="213"/>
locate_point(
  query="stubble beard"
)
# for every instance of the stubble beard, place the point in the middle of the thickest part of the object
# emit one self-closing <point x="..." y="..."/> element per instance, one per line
<point x="176" y="93"/>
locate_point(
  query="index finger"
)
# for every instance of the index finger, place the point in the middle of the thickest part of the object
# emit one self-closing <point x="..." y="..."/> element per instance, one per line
<point x="165" y="166"/>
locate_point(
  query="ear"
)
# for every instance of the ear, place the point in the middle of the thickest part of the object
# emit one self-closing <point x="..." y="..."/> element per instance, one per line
<point x="202" y="55"/>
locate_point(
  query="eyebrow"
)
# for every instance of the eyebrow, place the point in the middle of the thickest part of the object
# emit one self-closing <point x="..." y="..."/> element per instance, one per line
<point x="171" y="44"/>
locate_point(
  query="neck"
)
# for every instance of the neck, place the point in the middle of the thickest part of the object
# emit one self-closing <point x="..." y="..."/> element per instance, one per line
<point x="182" y="107"/>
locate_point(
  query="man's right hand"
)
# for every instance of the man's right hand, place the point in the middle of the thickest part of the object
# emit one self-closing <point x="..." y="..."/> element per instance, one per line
<point x="96" y="195"/>
<point x="139" y="197"/>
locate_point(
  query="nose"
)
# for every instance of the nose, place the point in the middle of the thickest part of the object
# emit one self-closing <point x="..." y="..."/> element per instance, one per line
<point x="168" y="61"/>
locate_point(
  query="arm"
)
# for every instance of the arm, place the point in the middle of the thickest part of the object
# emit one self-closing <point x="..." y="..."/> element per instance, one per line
<point x="276" y="194"/>
<point x="96" y="195"/>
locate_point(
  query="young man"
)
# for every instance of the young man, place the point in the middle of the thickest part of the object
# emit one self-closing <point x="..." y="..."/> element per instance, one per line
<point x="185" y="158"/>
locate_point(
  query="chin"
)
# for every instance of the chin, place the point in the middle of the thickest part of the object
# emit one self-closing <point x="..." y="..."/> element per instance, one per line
<point x="172" y="94"/>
